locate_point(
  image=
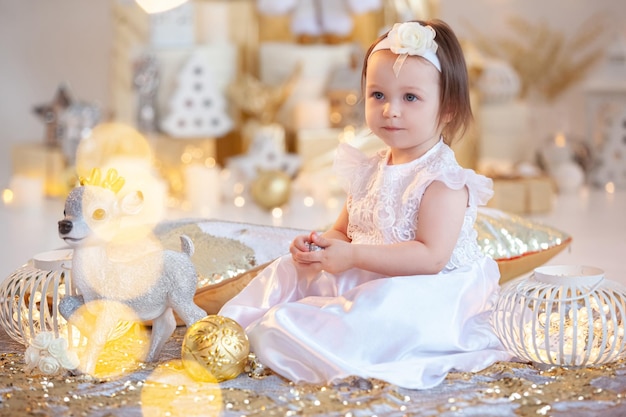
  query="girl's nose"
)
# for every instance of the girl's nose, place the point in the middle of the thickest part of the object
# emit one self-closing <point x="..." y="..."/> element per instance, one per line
<point x="390" y="110"/>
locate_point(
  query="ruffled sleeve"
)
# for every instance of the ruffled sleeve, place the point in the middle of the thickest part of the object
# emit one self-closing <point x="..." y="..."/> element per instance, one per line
<point x="350" y="165"/>
<point x="448" y="171"/>
<point x="481" y="188"/>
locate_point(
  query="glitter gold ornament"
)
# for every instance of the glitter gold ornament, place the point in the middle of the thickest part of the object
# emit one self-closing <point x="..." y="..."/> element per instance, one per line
<point x="271" y="189"/>
<point x="215" y="348"/>
<point x="259" y="100"/>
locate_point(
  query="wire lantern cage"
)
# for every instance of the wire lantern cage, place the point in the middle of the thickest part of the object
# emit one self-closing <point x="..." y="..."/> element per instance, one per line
<point x="30" y="296"/>
<point x="563" y="315"/>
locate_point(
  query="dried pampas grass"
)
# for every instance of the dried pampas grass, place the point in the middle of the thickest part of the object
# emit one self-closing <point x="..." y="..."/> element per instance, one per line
<point x="546" y="61"/>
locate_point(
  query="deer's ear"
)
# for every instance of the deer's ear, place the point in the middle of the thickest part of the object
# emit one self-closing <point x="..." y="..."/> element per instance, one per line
<point x="132" y="203"/>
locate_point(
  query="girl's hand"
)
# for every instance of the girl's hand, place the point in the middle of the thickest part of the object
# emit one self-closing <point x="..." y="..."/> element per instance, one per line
<point x="306" y="268"/>
<point x="301" y="245"/>
<point x="334" y="255"/>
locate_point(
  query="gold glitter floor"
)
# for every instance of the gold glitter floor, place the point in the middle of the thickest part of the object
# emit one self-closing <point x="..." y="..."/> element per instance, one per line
<point x="162" y="389"/>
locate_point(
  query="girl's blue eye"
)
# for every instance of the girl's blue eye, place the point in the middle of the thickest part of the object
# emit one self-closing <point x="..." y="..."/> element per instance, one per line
<point x="411" y="97"/>
<point x="377" y="95"/>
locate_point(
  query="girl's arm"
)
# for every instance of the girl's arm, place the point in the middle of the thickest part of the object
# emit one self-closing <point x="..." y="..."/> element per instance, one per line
<point x="441" y="215"/>
<point x="339" y="230"/>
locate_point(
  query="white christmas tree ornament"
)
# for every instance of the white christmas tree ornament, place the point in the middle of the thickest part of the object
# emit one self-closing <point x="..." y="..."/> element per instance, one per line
<point x="197" y="107"/>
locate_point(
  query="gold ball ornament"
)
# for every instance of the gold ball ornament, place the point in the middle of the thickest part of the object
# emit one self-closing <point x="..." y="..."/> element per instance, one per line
<point x="215" y="348"/>
<point x="271" y="189"/>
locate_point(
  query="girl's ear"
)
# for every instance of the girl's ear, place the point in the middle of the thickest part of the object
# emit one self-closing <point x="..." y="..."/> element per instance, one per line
<point x="446" y="117"/>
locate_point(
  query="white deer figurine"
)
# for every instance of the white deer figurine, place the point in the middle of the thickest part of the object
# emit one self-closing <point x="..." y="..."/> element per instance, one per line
<point x="149" y="287"/>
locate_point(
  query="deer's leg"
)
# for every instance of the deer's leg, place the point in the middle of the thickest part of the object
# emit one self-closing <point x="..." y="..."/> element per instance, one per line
<point x="162" y="328"/>
<point x="189" y="313"/>
<point x="72" y="309"/>
<point x="184" y="305"/>
<point x="96" y="339"/>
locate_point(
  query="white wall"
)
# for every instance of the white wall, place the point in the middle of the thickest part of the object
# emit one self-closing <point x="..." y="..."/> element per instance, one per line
<point x="44" y="43"/>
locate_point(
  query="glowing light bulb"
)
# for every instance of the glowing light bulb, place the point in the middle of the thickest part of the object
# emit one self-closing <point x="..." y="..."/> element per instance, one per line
<point x="239" y="201"/>
<point x="277" y="212"/>
<point x="7" y="196"/>
<point x="560" y="140"/>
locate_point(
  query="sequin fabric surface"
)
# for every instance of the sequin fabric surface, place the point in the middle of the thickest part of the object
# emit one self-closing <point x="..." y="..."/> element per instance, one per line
<point x="504" y="389"/>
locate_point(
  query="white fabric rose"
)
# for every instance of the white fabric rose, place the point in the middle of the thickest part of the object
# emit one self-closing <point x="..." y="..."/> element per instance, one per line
<point x="58" y="347"/>
<point x="412" y="38"/>
<point x="49" y="365"/>
<point x="31" y="358"/>
<point x="50" y="354"/>
<point x="42" y="340"/>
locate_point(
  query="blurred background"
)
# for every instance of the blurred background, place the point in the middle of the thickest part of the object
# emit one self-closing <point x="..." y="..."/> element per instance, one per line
<point x="532" y="66"/>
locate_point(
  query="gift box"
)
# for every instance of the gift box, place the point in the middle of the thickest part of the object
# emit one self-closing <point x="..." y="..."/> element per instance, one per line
<point x="523" y="195"/>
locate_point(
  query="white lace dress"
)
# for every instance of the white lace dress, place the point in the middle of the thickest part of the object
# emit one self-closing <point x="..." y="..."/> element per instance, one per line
<point x="408" y="330"/>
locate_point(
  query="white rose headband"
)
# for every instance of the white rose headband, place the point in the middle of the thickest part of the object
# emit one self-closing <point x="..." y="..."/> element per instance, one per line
<point x="410" y="38"/>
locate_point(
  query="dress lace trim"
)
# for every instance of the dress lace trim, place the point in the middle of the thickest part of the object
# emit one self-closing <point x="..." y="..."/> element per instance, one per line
<point x="383" y="200"/>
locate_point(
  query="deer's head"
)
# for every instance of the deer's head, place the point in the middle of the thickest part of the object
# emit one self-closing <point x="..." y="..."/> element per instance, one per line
<point x="95" y="208"/>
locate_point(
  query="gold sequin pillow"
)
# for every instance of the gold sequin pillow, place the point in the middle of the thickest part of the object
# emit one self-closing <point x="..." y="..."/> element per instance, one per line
<point x="517" y="244"/>
<point x="228" y="255"/>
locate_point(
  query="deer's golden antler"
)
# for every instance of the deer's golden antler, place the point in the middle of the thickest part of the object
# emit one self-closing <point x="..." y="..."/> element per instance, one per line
<point x="112" y="181"/>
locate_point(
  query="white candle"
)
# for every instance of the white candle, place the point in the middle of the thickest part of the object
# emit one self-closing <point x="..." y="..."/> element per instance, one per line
<point x="202" y="187"/>
<point x="557" y="152"/>
<point x="27" y="191"/>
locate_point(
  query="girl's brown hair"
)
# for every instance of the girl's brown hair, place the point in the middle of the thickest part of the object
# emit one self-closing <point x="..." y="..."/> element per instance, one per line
<point x="454" y="100"/>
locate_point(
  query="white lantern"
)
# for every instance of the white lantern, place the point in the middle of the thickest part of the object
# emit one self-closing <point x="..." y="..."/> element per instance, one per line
<point x="563" y="315"/>
<point x="30" y="296"/>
